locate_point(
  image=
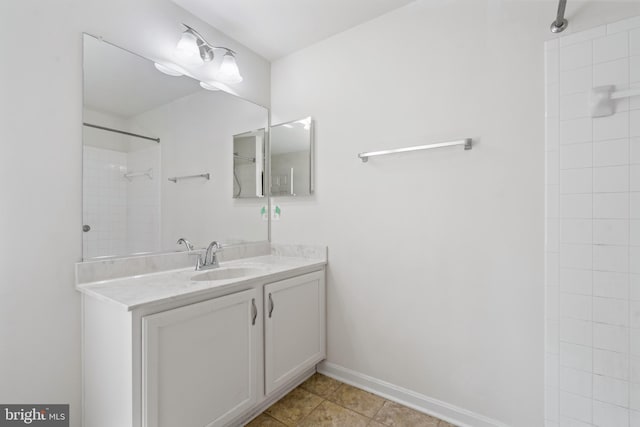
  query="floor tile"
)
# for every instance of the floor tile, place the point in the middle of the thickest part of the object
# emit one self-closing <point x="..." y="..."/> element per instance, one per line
<point x="331" y="415"/>
<point x="357" y="400"/>
<point x="294" y="406"/>
<point x="264" y="420"/>
<point x="393" y="414"/>
<point x="321" y="385"/>
<point x="445" y="424"/>
<point x="374" y="423"/>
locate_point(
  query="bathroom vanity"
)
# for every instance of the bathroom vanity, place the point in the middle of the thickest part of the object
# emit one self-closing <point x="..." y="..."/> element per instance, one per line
<point x="176" y="347"/>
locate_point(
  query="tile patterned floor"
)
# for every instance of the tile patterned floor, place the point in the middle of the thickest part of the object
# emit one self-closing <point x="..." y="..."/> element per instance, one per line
<point x="322" y="401"/>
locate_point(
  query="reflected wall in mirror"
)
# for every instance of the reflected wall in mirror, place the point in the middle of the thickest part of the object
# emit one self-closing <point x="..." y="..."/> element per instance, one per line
<point x="159" y="127"/>
<point x="248" y="174"/>
<point x="291" y="151"/>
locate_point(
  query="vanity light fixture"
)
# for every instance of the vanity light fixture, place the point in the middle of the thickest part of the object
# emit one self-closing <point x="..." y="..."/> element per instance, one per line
<point x="193" y="49"/>
<point x="208" y="86"/>
<point x="169" y="69"/>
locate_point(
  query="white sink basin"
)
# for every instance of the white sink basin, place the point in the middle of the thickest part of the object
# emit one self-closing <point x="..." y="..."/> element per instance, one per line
<point x="227" y="273"/>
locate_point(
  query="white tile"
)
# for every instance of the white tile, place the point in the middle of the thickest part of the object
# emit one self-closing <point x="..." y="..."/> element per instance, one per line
<point x="609" y="153"/>
<point x="610" y="311"/>
<point x="634" y="41"/>
<point x="635" y="342"/>
<point x="576" y="256"/>
<point x="611" y="127"/>
<point x="635" y="369"/>
<point x="576" y="231"/>
<point x="623" y="25"/>
<point x="610" y="205"/>
<point x="576" y="56"/>
<point x="575" y="181"/>
<point x="576" y="281"/>
<point x="634" y="200"/>
<point x="574" y="406"/>
<point x="634" y="398"/>
<point x="551" y="336"/>
<point x="635" y="314"/>
<point x="551" y="400"/>
<point x="577" y="130"/>
<point x="610" y="258"/>
<point x="608" y="415"/>
<point x="570" y="422"/>
<point x="575" y="156"/>
<point x="582" y="36"/>
<point x="610" y="390"/>
<point x="634" y="69"/>
<point x="575" y="306"/>
<point x="552" y="101"/>
<point x="552" y="65"/>
<point x="634" y="232"/>
<point x="579" y="332"/>
<point x="552" y="201"/>
<point x="574" y="381"/>
<point x="551" y="167"/>
<point x="611" y="364"/>
<point x="576" y="80"/>
<point x="574" y="106"/>
<point x="634" y="149"/>
<point x="576" y="356"/>
<point x="579" y="206"/>
<point x="634" y="178"/>
<point x="634" y="285"/>
<point x="611" y="284"/>
<point x="634" y="259"/>
<point x="611" y="179"/>
<point x="611" y="231"/>
<point x="611" y="47"/>
<point x="605" y="337"/>
<point x="614" y="73"/>
<point x="634" y="127"/>
<point x="634" y="101"/>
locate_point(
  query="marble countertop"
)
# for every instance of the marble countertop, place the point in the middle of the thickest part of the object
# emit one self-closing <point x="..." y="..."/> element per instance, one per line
<point x="165" y="286"/>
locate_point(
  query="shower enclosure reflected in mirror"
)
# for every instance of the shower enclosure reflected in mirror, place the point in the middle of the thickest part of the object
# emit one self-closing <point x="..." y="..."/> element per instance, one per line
<point x="248" y="164"/>
<point x="291" y="156"/>
<point x="157" y="158"/>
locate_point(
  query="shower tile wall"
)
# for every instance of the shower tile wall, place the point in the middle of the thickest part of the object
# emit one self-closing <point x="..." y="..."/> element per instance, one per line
<point x="592" y="350"/>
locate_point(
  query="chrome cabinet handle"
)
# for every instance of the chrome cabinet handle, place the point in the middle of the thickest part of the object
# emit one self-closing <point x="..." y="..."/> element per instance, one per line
<point x="254" y="311"/>
<point x="270" y="306"/>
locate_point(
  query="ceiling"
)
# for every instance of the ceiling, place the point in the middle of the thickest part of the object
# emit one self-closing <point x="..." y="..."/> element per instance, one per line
<point x="276" y="28"/>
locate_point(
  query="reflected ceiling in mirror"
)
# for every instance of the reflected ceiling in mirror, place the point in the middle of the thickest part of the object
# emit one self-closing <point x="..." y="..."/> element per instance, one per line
<point x="141" y="130"/>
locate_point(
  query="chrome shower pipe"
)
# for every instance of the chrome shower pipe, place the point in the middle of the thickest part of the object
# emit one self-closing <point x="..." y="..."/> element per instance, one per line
<point x="560" y="24"/>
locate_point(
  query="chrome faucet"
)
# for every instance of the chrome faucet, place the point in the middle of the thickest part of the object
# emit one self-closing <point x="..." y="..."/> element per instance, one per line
<point x="210" y="260"/>
<point x="187" y="243"/>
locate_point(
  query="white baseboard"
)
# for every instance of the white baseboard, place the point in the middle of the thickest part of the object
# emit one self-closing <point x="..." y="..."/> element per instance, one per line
<point x="434" y="407"/>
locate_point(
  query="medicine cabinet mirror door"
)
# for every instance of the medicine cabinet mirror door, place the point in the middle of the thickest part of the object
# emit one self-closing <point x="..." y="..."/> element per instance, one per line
<point x="291" y="149"/>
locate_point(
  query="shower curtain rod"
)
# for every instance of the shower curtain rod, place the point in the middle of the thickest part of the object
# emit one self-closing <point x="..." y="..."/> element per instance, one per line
<point x="560" y="24"/>
<point x="122" y="132"/>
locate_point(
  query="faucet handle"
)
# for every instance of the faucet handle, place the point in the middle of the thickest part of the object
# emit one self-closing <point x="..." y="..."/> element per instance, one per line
<point x="199" y="263"/>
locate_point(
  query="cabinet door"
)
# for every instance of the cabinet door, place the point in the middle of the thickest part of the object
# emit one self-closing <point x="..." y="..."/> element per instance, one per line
<point x="294" y="327"/>
<point x="199" y="362"/>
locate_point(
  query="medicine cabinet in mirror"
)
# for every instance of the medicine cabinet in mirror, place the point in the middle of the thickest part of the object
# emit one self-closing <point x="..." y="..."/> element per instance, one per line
<point x="158" y="159"/>
<point x="291" y="156"/>
<point x="248" y="164"/>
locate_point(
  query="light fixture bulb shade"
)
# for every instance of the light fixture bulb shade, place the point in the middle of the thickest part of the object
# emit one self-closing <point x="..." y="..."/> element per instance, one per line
<point x="187" y="48"/>
<point x="169" y="69"/>
<point x="229" y="72"/>
<point x="208" y="86"/>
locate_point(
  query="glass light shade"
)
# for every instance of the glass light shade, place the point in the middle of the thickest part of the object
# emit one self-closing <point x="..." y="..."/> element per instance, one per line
<point x="187" y="48"/>
<point x="208" y="86"/>
<point x="169" y="69"/>
<point x="229" y="72"/>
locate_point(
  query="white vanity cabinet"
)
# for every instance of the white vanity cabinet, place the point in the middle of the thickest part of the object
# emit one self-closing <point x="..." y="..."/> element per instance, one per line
<point x="206" y="359"/>
<point x="294" y="327"/>
<point x="199" y="362"/>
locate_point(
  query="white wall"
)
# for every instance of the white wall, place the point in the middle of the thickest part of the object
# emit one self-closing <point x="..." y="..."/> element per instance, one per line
<point x="435" y="279"/>
<point x="592" y="241"/>
<point x="40" y="174"/>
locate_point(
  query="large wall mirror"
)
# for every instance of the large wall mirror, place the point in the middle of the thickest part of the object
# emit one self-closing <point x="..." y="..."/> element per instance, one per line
<point x="292" y="158"/>
<point x="158" y="159"/>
